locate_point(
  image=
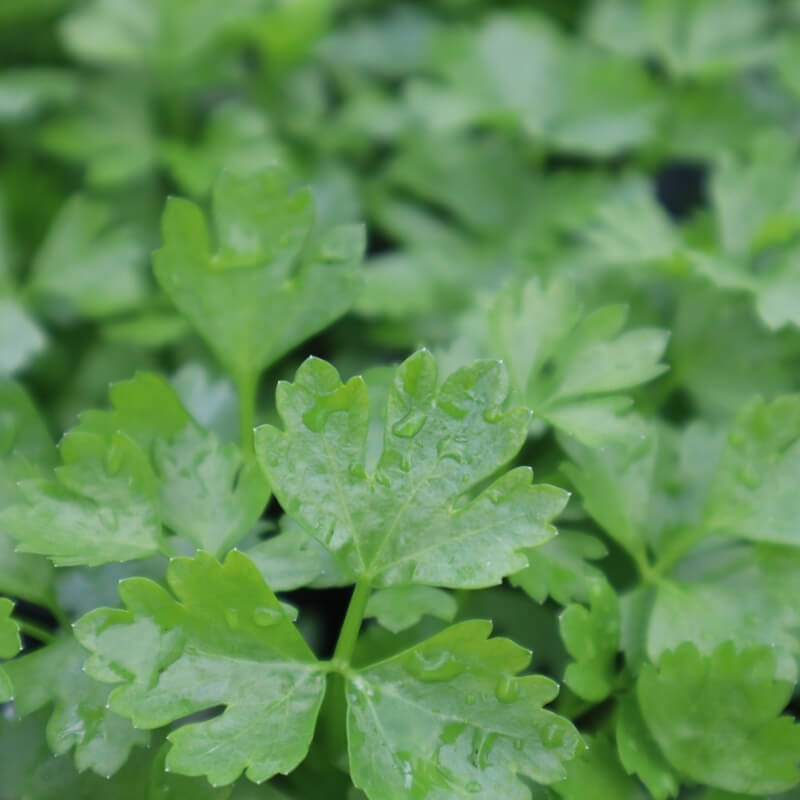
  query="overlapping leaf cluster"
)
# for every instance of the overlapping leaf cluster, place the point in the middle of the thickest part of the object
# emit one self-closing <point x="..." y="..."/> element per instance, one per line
<point x="399" y="400"/>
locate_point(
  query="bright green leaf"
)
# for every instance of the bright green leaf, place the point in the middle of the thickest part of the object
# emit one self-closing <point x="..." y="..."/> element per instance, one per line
<point x="597" y="774"/>
<point x="691" y="38"/>
<point x="265" y="288"/>
<point x="561" y="568"/>
<point x="80" y="717"/>
<point x="449" y="718"/>
<point x="21" y="337"/>
<point x="413" y="520"/>
<point x="101" y="507"/>
<point x="226" y="641"/>
<point x="26" y="450"/>
<point x="754" y="494"/>
<point x="208" y="492"/>
<point x="10" y="645"/>
<point x="592" y="638"/>
<point x="717" y="718"/>
<point x="639" y="753"/>
<point x="568" y="366"/>
<point x="401" y="607"/>
<point x="90" y="261"/>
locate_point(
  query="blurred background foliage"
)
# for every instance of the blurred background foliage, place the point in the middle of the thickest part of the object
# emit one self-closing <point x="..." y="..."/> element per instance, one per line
<point x="635" y="151"/>
<point x="641" y="150"/>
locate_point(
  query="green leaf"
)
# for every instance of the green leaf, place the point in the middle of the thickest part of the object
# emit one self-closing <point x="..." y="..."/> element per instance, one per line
<point x="266" y="288"/>
<point x="292" y="559"/>
<point x="721" y="373"/>
<point x="520" y="68"/>
<point x="754" y="493"/>
<point x="21" y="337"/>
<point x="417" y="519"/>
<point x="700" y="38"/>
<point x="166" y="34"/>
<point x="208" y="492"/>
<point x="737" y="593"/>
<point x="567" y="366"/>
<point x="129" y="471"/>
<point x="26" y="449"/>
<point x="401" y="607"/>
<point x="236" y="137"/>
<point x="10" y="645"/>
<point x="592" y="638"/>
<point x="9" y="630"/>
<point x="597" y="773"/>
<point x="90" y="261"/>
<point x="226" y="641"/>
<point x="717" y="718"/>
<point x="80" y="718"/>
<point x="26" y="91"/>
<point x="110" y="131"/>
<point x="630" y="227"/>
<point x="31" y="771"/>
<point x="639" y="753"/>
<point x="448" y="717"/>
<point x="755" y="197"/>
<point x="615" y="483"/>
<point x="102" y="506"/>
<point x="561" y="568"/>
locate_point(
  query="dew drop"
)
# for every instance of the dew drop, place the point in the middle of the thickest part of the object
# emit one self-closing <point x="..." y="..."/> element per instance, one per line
<point x="492" y="415"/>
<point x="232" y="618"/>
<point x="408" y="774"/>
<point x="264" y="617"/>
<point x="553" y="736"/>
<point x="451" y="409"/>
<point x="431" y="667"/>
<point x="107" y="518"/>
<point x="410" y="425"/>
<point x="316" y="417"/>
<point x="473" y="787"/>
<point x="447" y="449"/>
<point x="357" y="470"/>
<point x="383" y="479"/>
<point x="749" y="477"/>
<point x="507" y="689"/>
<point x="470" y="699"/>
<point x="518" y="744"/>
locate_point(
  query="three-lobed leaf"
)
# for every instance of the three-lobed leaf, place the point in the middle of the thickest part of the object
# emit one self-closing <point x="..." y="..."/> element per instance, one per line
<point x="717" y="718"/>
<point x="225" y="641"/>
<point x="131" y="472"/>
<point x="80" y="718"/>
<point x="420" y="517"/>
<point x="450" y="718"/>
<point x="265" y="283"/>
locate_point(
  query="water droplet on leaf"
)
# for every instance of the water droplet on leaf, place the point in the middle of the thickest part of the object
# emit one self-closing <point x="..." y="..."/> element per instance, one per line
<point x="553" y="736"/>
<point x="232" y="618"/>
<point x="749" y="477"/>
<point x="264" y="617"/>
<point x="410" y="425"/>
<point x="493" y="415"/>
<point x="431" y="667"/>
<point x="507" y="689"/>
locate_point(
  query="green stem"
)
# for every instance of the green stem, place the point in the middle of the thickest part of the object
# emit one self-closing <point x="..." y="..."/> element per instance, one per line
<point x="352" y="623"/>
<point x="246" y="387"/>
<point x="34" y="630"/>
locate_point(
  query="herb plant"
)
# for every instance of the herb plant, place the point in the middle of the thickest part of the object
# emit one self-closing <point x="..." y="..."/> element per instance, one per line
<point x="399" y="400"/>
